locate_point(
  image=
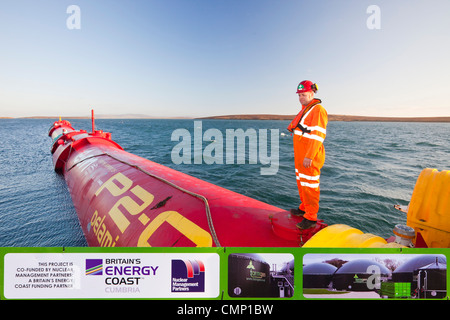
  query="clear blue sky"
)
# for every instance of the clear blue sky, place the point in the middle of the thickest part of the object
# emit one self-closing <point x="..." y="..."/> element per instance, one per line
<point x="215" y="57"/>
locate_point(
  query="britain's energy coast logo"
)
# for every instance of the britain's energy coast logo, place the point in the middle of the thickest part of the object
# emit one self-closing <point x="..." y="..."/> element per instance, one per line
<point x="188" y="276"/>
<point x="125" y="275"/>
<point x="94" y="267"/>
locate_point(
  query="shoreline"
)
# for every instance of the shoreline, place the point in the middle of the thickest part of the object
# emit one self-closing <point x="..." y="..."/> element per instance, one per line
<point x="331" y="117"/>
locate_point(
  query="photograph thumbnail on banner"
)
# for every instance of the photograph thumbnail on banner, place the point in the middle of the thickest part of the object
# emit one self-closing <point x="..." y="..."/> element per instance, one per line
<point x="111" y="275"/>
<point x="374" y="276"/>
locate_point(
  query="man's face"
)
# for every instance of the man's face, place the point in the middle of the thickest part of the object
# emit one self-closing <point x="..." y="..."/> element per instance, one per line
<point x="305" y="97"/>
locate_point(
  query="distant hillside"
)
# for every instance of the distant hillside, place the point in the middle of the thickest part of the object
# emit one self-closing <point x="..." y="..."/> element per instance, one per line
<point x="253" y="117"/>
<point x="331" y="117"/>
<point x="388" y="119"/>
<point x="104" y="116"/>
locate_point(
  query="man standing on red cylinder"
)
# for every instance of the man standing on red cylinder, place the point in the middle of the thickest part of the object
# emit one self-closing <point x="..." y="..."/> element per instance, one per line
<point x="309" y="129"/>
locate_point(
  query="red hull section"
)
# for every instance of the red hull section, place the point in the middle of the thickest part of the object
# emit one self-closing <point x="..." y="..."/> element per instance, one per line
<point x="128" y="201"/>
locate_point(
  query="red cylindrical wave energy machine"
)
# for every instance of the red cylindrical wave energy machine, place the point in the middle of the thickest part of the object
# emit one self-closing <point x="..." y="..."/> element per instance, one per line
<point x="127" y="201"/>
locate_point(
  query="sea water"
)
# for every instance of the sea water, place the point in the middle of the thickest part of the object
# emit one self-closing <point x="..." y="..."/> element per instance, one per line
<point x="369" y="167"/>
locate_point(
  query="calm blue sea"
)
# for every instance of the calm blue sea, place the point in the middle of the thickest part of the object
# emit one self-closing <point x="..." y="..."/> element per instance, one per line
<point x="369" y="167"/>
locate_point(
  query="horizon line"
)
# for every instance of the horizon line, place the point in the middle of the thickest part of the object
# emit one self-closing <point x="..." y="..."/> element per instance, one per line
<point x="331" y="117"/>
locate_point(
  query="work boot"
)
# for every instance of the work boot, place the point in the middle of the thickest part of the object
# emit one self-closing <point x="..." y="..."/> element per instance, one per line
<point x="297" y="212"/>
<point x="306" y="224"/>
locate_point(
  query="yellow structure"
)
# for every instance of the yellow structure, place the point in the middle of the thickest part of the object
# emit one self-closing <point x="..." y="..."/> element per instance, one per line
<point x="343" y="236"/>
<point x="429" y="208"/>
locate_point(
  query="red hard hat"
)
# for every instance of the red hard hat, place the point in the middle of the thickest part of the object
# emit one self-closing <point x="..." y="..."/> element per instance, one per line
<point x="306" y="86"/>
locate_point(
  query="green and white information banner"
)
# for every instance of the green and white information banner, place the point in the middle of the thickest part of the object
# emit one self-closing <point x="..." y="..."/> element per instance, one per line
<point x="282" y="274"/>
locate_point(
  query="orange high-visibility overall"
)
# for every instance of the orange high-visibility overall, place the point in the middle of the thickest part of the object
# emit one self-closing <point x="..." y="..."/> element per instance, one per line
<point x="309" y="131"/>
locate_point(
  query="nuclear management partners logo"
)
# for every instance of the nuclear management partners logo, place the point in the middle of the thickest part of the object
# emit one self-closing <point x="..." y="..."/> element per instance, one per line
<point x="188" y="276"/>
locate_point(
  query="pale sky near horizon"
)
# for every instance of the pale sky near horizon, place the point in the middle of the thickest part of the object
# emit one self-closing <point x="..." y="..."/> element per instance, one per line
<point x="194" y="58"/>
